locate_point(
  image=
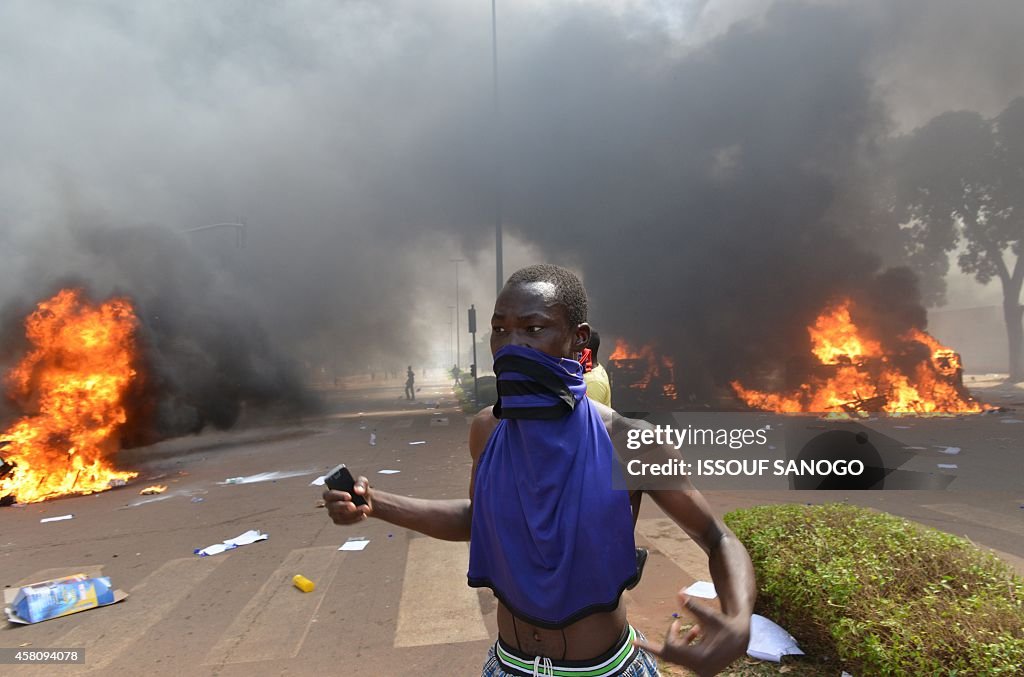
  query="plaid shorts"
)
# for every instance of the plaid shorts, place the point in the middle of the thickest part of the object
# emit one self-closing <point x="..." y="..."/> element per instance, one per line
<point x="624" y="660"/>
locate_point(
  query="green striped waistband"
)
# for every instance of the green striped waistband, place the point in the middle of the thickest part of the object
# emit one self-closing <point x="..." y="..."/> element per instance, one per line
<point x="621" y="657"/>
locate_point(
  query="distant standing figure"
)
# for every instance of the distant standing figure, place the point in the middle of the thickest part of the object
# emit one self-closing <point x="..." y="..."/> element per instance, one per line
<point x="410" y="384"/>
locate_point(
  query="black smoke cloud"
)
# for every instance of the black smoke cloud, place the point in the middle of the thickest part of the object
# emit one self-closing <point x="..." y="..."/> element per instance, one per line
<point x="203" y="357"/>
<point x="697" y="174"/>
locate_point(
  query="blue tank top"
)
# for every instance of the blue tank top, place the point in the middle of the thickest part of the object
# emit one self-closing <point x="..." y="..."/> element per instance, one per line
<point x="550" y="536"/>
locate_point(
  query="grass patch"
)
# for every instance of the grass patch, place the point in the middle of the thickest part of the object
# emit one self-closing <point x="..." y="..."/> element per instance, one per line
<point x="882" y="595"/>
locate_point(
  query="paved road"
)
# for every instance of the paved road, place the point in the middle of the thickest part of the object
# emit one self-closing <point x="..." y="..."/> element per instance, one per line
<point x="398" y="607"/>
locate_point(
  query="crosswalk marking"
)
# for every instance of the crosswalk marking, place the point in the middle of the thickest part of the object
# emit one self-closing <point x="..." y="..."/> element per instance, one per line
<point x="981" y="516"/>
<point x="126" y="622"/>
<point x="275" y="622"/>
<point x="437" y="607"/>
<point x="90" y="570"/>
<point x="671" y="541"/>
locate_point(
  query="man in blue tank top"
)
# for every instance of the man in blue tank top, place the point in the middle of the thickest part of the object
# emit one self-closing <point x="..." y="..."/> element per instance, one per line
<point x="548" y="534"/>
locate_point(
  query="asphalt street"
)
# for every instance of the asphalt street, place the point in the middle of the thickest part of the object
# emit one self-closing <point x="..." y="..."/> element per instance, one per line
<point x="397" y="607"/>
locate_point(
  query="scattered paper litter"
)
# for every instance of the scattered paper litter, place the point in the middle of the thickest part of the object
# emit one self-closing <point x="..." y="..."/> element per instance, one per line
<point x="266" y="477"/>
<point x="702" y="589"/>
<point x="248" y="537"/>
<point x="152" y="499"/>
<point x="948" y="466"/>
<point x="419" y="442"/>
<point x="769" y="642"/>
<point x="57" y="519"/>
<point x="213" y="550"/>
<point x="949" y="451"/>
<point x="845" y="674"/>
<point x="354" y="544"/>
<point x="388" y="472"/>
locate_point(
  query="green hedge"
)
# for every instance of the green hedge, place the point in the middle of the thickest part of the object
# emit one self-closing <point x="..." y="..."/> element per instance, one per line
<point x="882" y="595"/>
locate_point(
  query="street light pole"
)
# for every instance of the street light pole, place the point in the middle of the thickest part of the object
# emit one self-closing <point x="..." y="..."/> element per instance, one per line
<point x="458" y="335"/>
<point x="451" y="334"/>
<point x="497" y="151"/>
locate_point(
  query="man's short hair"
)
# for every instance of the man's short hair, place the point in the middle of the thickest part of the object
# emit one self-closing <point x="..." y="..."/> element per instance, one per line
<point x="569" y="290"/>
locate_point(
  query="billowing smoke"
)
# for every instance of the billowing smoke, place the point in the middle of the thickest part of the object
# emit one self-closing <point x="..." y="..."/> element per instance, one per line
<point x="203" y="356"/>
<point x="703" y="166"/>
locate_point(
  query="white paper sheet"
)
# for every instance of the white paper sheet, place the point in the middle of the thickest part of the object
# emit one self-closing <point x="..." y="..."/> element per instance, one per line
<point x="266" y="477"/>
<point x="388" y="472"/>
<point x="354" y="544"/>
<point x="769" y="642"/>
<point x="214" y="549"/>
<point x="948" y="451"/>
<point x="56" y="519"/>
<point x="248" y="537"/>
<point x="702" y="589"/>
<point x="948" y="466"/>
<point x="419" y="442"/>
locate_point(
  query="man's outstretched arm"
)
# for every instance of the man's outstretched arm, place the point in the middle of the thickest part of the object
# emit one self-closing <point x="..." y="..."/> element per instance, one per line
<point x="724" y="634"/>
<point x="446" y="519"/>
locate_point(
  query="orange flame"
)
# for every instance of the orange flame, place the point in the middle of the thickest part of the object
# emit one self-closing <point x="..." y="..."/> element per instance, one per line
<point x="73" y="381"/>
<point x="835" y="338"/>
<point x="864" y="378"/>
<point x="658" y="366"/>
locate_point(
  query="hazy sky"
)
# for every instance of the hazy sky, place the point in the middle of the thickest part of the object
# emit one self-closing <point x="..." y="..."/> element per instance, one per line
<point x="658" y="148"/>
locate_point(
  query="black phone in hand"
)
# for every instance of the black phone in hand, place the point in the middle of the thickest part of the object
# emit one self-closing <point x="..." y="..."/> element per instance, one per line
<point x="340" y="479"/>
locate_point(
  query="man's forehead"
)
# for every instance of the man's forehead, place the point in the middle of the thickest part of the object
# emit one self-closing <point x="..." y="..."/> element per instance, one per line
<point x="523" y="299"/>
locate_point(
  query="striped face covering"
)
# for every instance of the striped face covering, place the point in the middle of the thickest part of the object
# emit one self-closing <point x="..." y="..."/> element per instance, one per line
<point x="549" y="535"/>
<point x="532" y="384"/>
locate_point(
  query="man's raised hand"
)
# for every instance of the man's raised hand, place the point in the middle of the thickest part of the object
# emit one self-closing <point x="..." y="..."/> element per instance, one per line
<point x="723" y="639"/>
<point x="341" y="508"/>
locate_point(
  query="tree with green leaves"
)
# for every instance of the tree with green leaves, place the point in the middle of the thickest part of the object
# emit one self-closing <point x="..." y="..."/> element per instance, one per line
<point x="960" y="186"/>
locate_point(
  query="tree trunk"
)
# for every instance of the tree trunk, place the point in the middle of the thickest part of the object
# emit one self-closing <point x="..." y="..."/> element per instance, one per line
<point x="1012" y="312"/>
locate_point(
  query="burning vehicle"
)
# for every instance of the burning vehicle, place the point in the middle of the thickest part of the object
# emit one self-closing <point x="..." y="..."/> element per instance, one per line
<point x="641" y="377"/>
<point x="848" y="371"/>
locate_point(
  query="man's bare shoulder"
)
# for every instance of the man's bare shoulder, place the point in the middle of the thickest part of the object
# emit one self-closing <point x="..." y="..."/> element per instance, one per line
<point x="614" y="422"/>
<point x="480" y="430"/>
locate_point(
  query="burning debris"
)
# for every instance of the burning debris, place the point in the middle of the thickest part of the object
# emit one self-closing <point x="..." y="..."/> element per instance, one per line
<point x="72" y="385"/>
<point x="644" y="369"/>
<point x="853" y="373"/>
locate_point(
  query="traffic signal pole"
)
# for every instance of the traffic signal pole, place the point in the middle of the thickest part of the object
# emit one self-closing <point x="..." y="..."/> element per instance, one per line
<point x="472" y="331"/>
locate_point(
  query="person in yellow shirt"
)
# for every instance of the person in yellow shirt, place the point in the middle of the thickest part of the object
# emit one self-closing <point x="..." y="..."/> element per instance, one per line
<point x="599" y="388"/>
